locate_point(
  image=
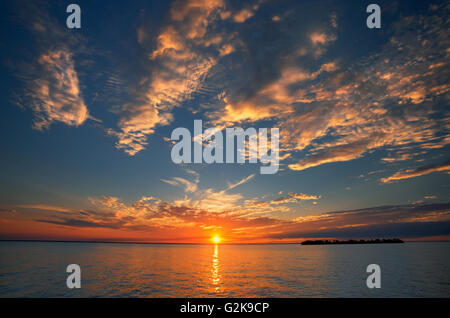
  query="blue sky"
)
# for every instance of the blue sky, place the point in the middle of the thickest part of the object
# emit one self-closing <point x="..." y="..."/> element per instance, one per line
<point x="87" y="115"/>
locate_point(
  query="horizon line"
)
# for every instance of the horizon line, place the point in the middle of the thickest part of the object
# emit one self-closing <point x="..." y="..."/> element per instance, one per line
<point x="180" y="243"/>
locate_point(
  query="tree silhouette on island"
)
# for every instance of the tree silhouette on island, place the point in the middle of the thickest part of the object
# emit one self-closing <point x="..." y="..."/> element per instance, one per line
<point x="329" y="242"/>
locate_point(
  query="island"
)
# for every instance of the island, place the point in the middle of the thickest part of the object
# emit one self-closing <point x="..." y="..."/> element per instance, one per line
<point x="330" y="242"/>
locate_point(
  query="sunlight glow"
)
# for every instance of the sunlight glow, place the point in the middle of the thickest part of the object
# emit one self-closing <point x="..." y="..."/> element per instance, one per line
<point x="216" y="239"/>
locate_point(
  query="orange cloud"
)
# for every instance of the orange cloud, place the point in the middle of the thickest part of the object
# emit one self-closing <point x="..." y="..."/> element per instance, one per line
<point x="56" y="93"/>
<point x="321" y="38"/>
<point x="335" y="154"/>
<point x="412" y="173"/>
<point x="152" y="220"/>
<point x="44" y="207"/>
<point x="294" y="197"/>
<point x="243" y="15"/>
<point x="246" y="13"/>
<point x="302" y="196"/>
<point x="179" y="73"/>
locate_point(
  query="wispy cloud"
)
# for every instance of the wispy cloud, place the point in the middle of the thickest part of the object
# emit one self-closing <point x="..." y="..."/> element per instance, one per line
<point x="240" y="182"/>
<point x="189" y="186"/>
<point x="3" y="210"/>
<point x="361" y="118"/>
<point x="417" y="172"/>
<point x="335" y="110"/>
<point x="51" y="83"/>
<point x="238" y="223"/>
<point x="179" y="69"/>
<point x="385" y="221"/>
<point x="56" y="94"/>
<point x="44" y="207"/>
<point x="294" y="197"/>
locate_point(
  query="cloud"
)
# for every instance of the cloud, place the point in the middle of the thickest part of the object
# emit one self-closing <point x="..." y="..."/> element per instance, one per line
<point x="417" y="172"/>
<point x="44" y="207"/>
<point x="401" y="157"/>
<point x="328" y="109"/>
<point x="240" y="222"/>
<point x="179" y="69"/>
<point x="302" y="196"/>
<point x="240" y="182"/>
<point x="226" y="49"/>
<point x="294" y="197"/>
<point x="243" y="15"/>
<point x="338" y="153"/>
<point x="188" y="185"/>
<point x="338" y="110"/>
<point x="246" y="13"/>
<point x="405" y="230"/>
<point x="405" y="221"/>
<point x="282" y="200"/>
<point x="2" y="210"/>
<point x="56" y="94"/>
<point x="362" y="117"/>
<point x="200" y="209"/>
<point x="51" y="87"/>
<point x="82" y="223"/>
<point x="321" y="38"/>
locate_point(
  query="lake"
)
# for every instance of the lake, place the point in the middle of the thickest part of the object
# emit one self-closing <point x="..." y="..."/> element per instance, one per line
<point x="38" y="269"/>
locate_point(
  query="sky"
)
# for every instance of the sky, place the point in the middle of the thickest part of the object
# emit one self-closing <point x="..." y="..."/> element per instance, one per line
<point x="87" y="114"/>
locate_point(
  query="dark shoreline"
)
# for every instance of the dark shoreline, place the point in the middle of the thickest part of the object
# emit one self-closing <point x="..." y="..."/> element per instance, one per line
<point x="337" y="242"/>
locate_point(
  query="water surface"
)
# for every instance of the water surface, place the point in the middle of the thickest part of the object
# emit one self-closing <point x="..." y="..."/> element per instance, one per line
<point x="38" y="269"/>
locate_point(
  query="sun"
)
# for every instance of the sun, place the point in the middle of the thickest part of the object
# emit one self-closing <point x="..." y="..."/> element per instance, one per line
<point x="216" y="239"/>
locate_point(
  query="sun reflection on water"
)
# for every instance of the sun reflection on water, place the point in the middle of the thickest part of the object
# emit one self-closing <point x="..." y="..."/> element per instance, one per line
<point x="215" y="267"/>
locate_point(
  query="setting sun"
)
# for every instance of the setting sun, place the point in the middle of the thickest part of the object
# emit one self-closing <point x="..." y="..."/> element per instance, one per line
<point x="216" y="239"/>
